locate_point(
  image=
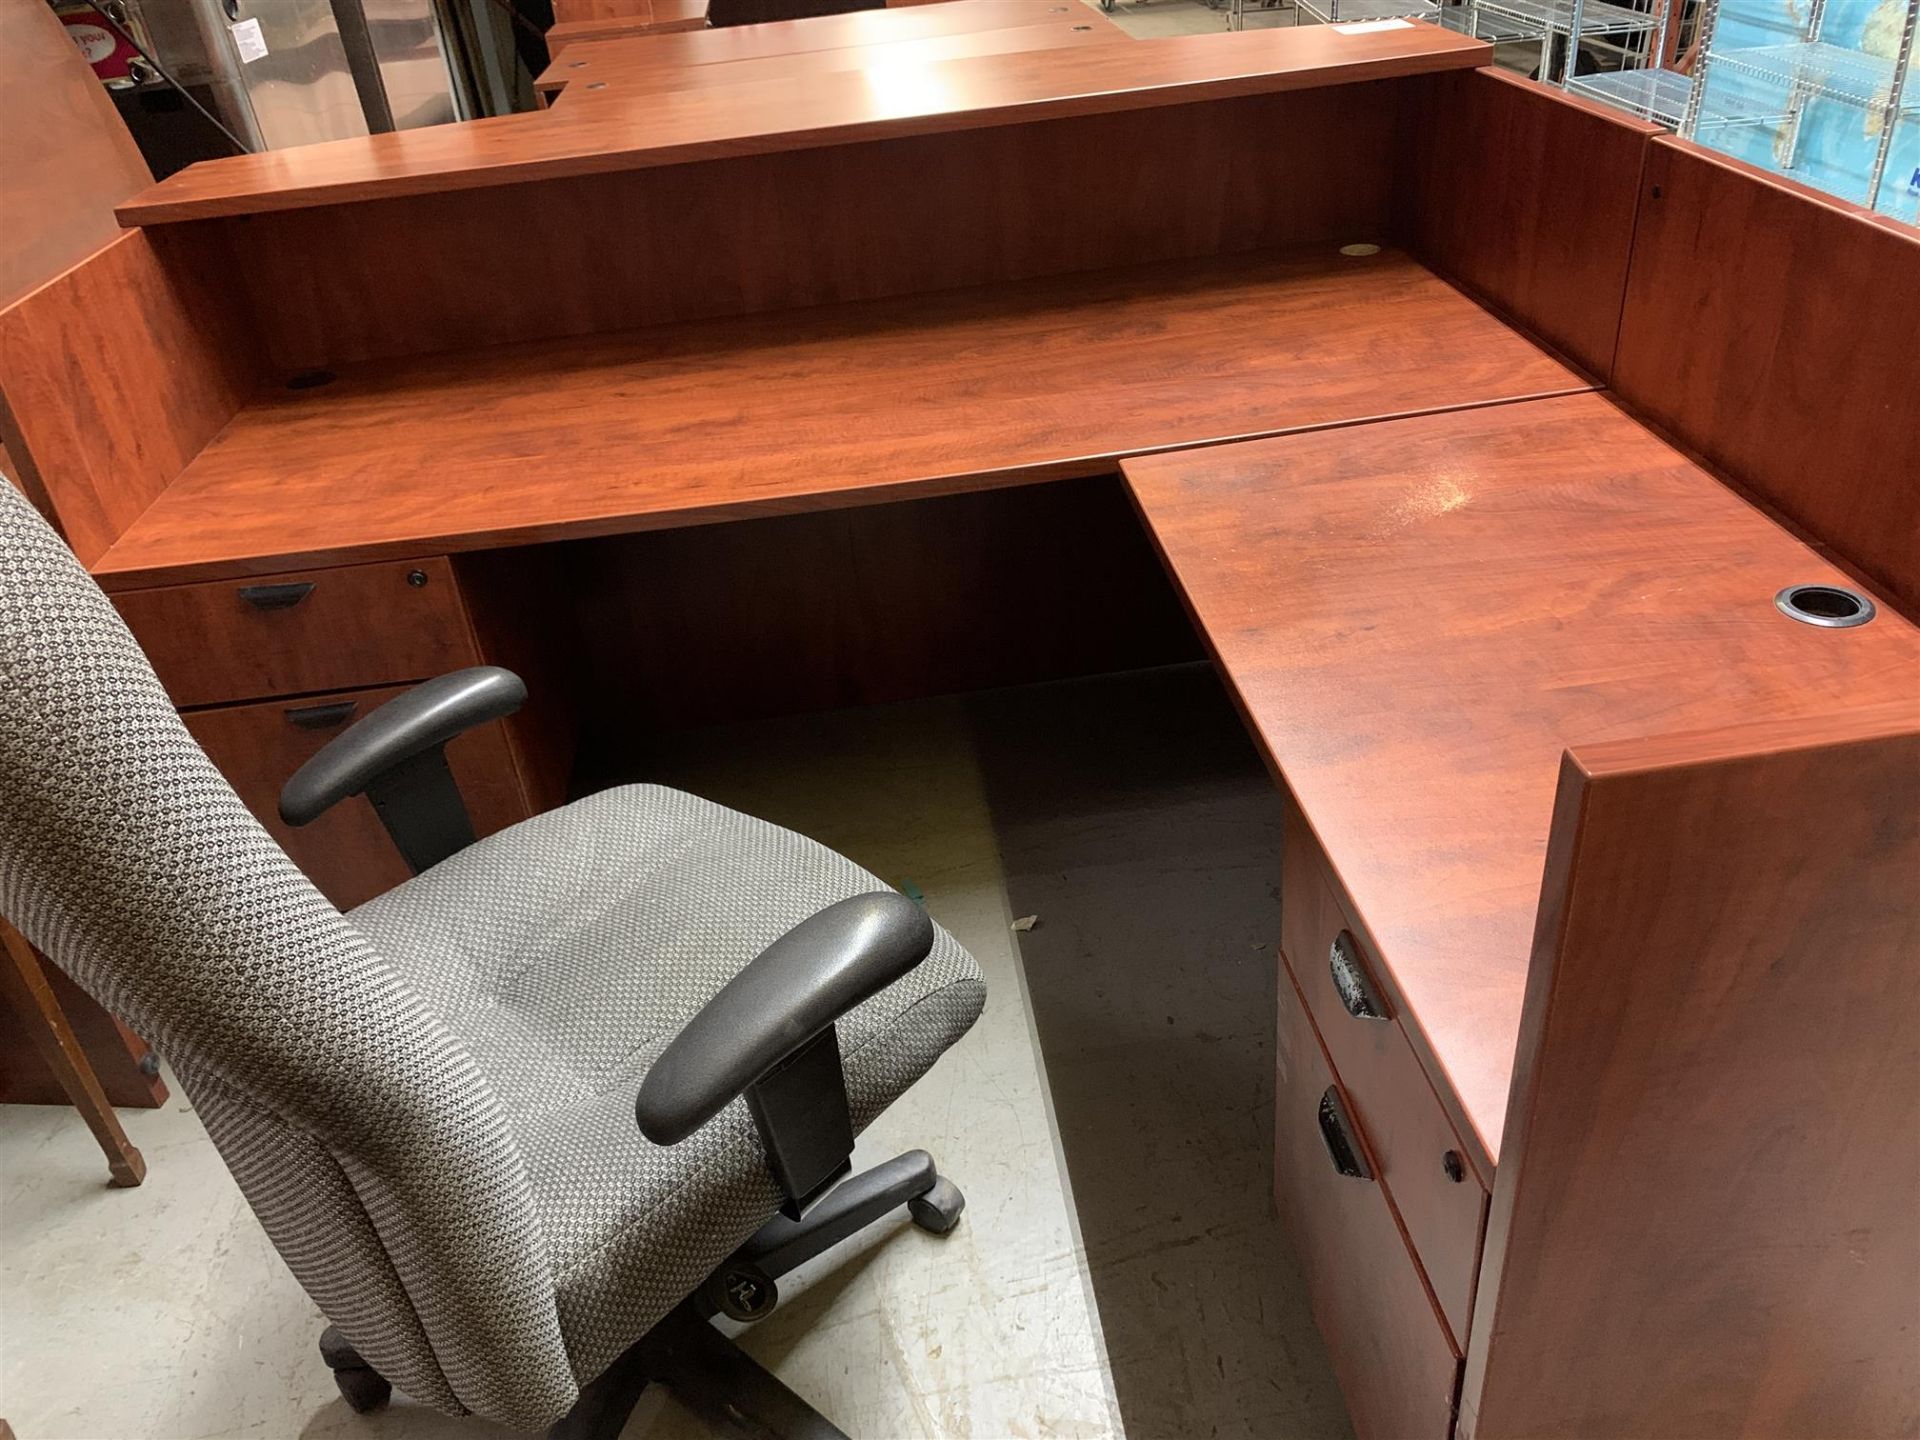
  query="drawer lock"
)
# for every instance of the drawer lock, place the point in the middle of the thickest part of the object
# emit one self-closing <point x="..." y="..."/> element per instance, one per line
<point x="1350" y="978"/>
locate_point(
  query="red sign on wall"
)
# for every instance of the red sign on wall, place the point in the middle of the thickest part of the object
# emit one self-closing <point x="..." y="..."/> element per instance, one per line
<point x="110" y="56"/>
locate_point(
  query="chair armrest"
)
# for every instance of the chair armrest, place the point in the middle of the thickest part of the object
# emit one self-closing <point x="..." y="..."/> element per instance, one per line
<point x="788" y="996"/>
<point x="406" y="727"/>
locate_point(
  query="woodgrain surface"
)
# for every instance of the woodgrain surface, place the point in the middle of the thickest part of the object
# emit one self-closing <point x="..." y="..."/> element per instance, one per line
<point x="69" y="158"/>
<point x="1709" y="1209"/>
<point x="1388" y="1092"/>
<point x="584" y="138"/>
<point x="613" y="19"/>
<point x="817" y="408"/>
<point x="113" y="376"/>
<point x="777" y="232"/>
<point x="573" y="12"/>
<point x="1419" y="617"/>
<point x="586" y="60"/>
<point x="358" y="625"/>
<point x="1525" y="195"/>
<point x="1778" y="332"/>
<point x="889" y="59"/>
<point x="1389" y="1346"/>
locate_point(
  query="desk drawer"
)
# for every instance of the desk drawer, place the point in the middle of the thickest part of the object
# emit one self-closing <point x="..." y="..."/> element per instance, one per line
<point x="345" y="852"/>
<point x="1397" y="1366"/>
<point x="302" y="632"/>
<point x="1420" y="1154"/>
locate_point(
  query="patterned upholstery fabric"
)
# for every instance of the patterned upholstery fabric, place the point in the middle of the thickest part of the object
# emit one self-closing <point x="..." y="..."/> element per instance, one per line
<point x="428" y="1104"/>
<point x="566" y="952"/>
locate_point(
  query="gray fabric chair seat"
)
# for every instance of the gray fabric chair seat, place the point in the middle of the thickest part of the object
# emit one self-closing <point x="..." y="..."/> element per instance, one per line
<point x="566" y="952"/>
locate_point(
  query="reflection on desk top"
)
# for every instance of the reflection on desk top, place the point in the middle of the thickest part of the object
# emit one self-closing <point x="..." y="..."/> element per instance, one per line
<point x="833" y="405"/>
<point x="1419" y="617"/>
<point x="588" y="60"/>
<point x="638" y="76"/>
<point x="798" y="113"/>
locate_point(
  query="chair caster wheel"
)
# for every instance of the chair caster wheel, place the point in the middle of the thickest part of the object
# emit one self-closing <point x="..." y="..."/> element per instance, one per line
<point x="363" y="1390"/>
<point x="938" y="1211"/>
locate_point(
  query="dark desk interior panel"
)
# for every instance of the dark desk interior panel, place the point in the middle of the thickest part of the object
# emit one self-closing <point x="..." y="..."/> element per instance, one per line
<point x="857" y="607"/>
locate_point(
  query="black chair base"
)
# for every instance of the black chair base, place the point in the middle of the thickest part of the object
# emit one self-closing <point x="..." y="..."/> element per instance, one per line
<point x="706" y="1371"/>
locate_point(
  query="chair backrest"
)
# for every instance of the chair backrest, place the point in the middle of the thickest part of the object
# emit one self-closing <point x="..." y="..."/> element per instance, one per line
<point x="371" y="1147"/>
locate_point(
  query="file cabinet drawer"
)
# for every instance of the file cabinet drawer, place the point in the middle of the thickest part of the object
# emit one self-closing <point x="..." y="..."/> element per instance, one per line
<point x="1423" y="1165"/>
<point x="1398" y="1367"/>
<point x="302" y="632"/>
<point x="346" y="851"/>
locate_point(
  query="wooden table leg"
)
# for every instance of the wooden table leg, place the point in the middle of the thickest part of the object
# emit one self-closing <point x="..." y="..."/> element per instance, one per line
<point x="25" y="984"/>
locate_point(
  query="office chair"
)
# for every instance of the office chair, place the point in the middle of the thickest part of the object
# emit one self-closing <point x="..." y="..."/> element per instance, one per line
<point x="524" y="1124"/>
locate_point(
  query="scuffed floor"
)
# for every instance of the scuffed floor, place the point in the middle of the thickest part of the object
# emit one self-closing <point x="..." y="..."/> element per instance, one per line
<point x="1117" y="1270"/>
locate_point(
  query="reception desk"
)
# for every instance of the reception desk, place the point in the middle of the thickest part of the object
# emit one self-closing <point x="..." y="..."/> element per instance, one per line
<point x="1424" y="400"/>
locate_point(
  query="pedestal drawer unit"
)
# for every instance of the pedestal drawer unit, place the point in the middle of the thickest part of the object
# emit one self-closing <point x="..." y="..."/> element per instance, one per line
<point x="1429" y="1175"/>
<point x="302" y="632"/>
<point x="1397" y="1365"/>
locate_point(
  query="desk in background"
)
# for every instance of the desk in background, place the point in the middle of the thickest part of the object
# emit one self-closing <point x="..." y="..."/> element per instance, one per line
<point x="577" y="20"/>
<point x="1614" y="858"/>
<point x="893" y="43"/>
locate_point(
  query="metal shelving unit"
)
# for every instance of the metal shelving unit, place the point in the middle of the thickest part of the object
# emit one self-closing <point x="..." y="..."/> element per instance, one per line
<point x="1485" y="25"/>
<point x="1810" y="69"/>
<point x="1345" y="12"/>
<point x="1656" y="95"/>
<point x="1818" y="69"/>
<point x="1662" y="95"/>
<point x="1349" y="12"/>
<point x="1580" y="20"/>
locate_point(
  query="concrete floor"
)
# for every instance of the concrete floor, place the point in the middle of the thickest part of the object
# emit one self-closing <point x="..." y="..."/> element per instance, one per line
<point x="1117" y="1270"/>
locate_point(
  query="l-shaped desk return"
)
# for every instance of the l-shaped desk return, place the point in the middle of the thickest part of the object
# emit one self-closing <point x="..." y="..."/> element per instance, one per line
<point x="1598" y="920"/>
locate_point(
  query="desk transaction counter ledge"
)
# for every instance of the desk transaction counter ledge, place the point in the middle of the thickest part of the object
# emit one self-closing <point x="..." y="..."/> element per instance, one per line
<point x="1476" y="429"/>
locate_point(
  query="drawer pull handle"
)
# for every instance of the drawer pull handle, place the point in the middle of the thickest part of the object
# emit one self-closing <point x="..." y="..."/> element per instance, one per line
<point x="322" y="717"/>
<point x="276" y="597"/>
<point x="1336" y="1133"/>
<point x="1350" y="978"/>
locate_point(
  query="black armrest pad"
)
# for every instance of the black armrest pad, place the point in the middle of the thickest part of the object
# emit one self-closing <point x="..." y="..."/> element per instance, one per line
<point x="788" y="994"/>
<point x="429" y="715"/>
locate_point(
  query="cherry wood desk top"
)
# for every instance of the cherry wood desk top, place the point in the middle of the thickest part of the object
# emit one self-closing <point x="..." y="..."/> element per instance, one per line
<point x="583" y="137"/>
<point x="1419" y="617"/>
<point x="629" y="18"/>
<point x="883" y="61"/>
<point x="791" y="37"/>
<point x="588" y="61"/>
<point x="808" y="409"/>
